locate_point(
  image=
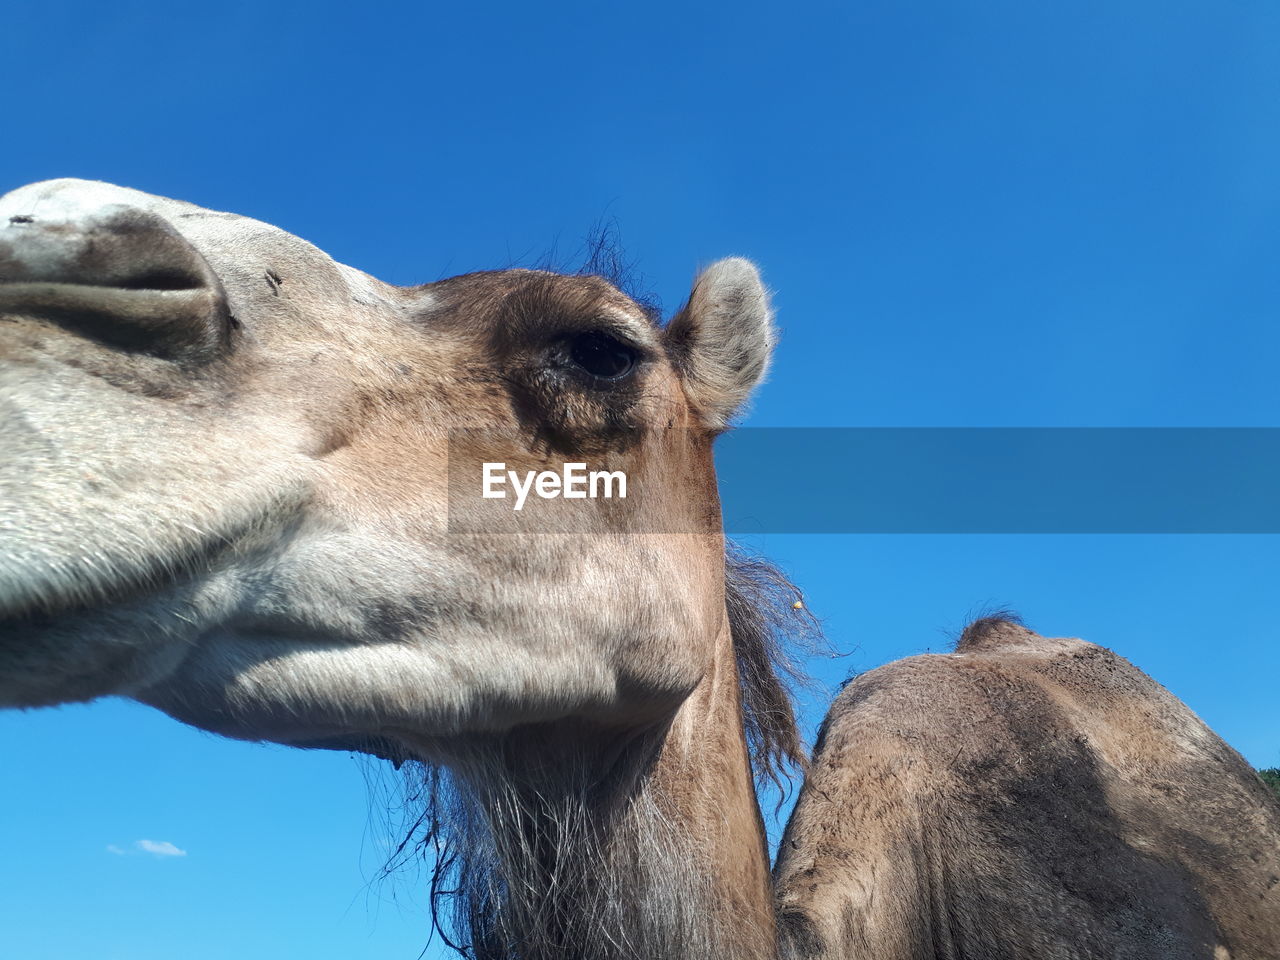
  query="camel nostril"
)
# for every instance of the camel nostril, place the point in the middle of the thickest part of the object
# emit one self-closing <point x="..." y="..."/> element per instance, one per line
<point x="116" y="246"/>
<point x="163" y="279"/>
<point x="118" y="274"/>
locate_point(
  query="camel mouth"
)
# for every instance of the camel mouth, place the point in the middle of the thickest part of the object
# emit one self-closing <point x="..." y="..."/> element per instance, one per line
<point x="119" y="612"/>
<point x="86" y="534"/>
<point x="47" y="606"/>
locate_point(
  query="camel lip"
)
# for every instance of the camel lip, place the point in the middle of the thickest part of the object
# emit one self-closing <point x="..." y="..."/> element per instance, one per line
<point x="20" y="617"/>
<point x="34" y="614"/>
<point x="36" y="611"/>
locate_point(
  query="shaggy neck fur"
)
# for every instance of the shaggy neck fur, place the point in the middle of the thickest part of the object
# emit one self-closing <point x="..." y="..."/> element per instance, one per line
<point x="564" y="842"/>
<point x="577" y="862"/>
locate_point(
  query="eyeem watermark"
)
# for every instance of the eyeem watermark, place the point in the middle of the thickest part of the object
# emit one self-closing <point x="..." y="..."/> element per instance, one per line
<point x="573" y="482"/>
<point x="890" y="480"/>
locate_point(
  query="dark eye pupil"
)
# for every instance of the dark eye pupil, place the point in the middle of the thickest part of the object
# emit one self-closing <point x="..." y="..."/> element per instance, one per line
<point x="602" y="356"/>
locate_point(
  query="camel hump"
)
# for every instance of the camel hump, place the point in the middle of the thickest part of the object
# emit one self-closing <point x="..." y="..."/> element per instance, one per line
<point x="995" y="631"/>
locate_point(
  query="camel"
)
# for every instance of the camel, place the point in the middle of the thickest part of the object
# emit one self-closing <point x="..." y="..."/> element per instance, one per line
<point x="1026" y="797"/>
<point x="242" y="484"/>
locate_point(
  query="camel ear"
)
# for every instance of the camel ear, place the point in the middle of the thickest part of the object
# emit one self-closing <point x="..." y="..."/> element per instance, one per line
<point x="721" y="340"/>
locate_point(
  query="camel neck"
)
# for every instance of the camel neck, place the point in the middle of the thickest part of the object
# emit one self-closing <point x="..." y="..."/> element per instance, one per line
<point x="704" y="773"/>
<point x="573" y="845"/>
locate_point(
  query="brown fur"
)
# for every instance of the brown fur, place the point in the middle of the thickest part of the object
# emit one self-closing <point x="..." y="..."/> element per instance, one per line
<point x="1026" y="798"/>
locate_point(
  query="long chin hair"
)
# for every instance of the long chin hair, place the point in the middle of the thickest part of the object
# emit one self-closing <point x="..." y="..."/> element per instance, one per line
<point x="541" y="850"/>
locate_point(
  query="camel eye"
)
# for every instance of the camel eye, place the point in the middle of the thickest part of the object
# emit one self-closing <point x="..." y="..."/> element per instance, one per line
<point x="602" y="356"/>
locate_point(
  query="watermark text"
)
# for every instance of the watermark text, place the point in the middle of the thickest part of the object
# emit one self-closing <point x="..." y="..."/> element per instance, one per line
<point x="573" y="482"/>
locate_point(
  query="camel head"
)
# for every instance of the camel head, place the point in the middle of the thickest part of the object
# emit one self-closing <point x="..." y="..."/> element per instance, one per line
<point x="242" y="482"/>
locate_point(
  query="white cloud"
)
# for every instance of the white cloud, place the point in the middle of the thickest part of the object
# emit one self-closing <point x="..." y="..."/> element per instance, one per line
<point x="157" y="848"/>
<point x="161" y="848"/>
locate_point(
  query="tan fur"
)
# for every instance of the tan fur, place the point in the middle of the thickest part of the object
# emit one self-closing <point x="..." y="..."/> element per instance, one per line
<point x="1028" y="798"/>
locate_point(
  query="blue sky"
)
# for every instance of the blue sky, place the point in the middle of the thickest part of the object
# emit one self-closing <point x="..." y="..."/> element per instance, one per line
<point x="983" y="214"/>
